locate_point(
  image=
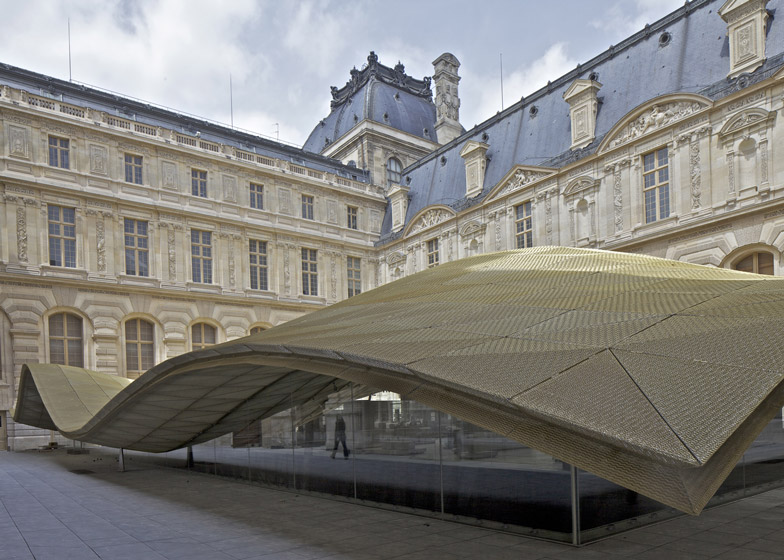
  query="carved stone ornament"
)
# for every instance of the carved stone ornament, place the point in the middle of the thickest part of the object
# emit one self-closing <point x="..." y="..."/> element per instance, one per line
<point x="472" y="229"/>
<point x="430" y="219"/>
<point x="695" y="173"/>
<point x="229" y="188"/>
<point x="396" y="258"/>
<point x="580" y="184"/>
<point x="523" y="177"/>
<point x="169" y="174"/>
<point x="655" y="118"/>
<point x="284" y="201"/>
<point x="749" y="118"/>
<point x="172" y="249"/>
<point x="18" y="141"/>
<point x="98" y="159"/>
<point x="100" y="236"/>
<point x="21" y="233"/>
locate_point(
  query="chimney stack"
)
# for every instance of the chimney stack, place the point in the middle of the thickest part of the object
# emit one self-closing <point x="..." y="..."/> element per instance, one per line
<point x="447" y="101"/>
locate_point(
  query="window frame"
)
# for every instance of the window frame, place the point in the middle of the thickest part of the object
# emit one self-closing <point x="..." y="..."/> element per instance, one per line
<point x="394" y="176"/>
<point x="256" y="193"/>
<point x="308" y="202"/>
<point x="136" y="251"/>
<point x="352" y="217"/>
<point x="353" y="275"/>
<point x="65" y="244"/>
<point x="201" y="345"/>
<point x="755" y="265"/>
<point x="259" y="270"/>
<point x="199" y="182"/>
<point x="201" y="253"/>
<point x="134" y="164"/>
<point x="65" y="338"/>
<point x="524" y="225"/>
<point x="660" y="188"/>
<point x="139" y="344"/>
<point x="309" y="271"/>
<point x="433" y="258"/>
<point x="59" y="152"/>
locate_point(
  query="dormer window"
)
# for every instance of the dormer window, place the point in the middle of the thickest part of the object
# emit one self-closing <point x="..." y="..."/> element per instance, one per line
<point x="394" y="168"/>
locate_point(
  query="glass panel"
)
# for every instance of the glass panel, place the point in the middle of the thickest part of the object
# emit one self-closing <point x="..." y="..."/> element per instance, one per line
<point x="56" y="351"/>
<point x="56" y="327"/>
<point x="495" y="479"/>
<point x="145" y="331"/>
<point x="607" y="508"/>
<point x="131" y="359"/>
<point x="765" y="262"/>
<point x="75" y="353"/>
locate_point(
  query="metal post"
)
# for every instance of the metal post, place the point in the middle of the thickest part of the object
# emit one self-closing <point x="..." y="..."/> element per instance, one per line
<point x="189" y="458"/>
<point x="440" y="462"/>
<point x="353" y="442"/>
<point x="121" y="459"/>
<point x="575" y="506"/>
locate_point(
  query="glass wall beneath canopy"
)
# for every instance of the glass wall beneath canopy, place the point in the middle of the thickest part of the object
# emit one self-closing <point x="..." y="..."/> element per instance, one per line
<point x="382" y="450"/>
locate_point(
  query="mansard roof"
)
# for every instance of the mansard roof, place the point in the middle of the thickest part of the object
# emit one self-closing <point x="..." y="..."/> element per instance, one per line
<point x="142" y="112"/>
<point x="687" y="51"/>
<point x="382" y="94"/>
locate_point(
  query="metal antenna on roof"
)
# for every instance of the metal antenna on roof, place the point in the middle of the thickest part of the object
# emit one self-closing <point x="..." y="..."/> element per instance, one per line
<point x="501" y="56"/>
<point x="69" y="50"/>
<point x="231" y="101"/>
<point x="277" y="132"/>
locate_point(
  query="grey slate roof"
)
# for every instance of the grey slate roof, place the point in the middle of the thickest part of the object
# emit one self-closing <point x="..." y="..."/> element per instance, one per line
<point x="381" y="94"/>
<point x="139" y="111"/>
<point x="695" y="60"/>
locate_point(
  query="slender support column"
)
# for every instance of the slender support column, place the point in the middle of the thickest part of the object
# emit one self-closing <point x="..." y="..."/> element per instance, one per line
<point x="575" y="506"/>
<point x="189" y="458"/>
<point x="121" y="460"/>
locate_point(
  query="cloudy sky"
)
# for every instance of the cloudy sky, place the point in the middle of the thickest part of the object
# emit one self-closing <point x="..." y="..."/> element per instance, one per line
<point x="282" y="55"/>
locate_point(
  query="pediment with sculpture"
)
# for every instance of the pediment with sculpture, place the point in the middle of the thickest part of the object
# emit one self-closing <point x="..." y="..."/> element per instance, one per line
<point x="580" y="184"/>
<point x="746" y="119"/>
<point x="652" y="116"/>
<point x="519" y="177"/>
<point x="428" y="218"/>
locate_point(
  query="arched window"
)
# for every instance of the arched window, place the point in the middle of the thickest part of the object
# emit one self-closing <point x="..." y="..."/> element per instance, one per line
<point x="139" y="346"/>
<point x="65" y="340"/>
<point x="257" y="330"/>
<point x="758" y="263"/>
<point x="202" y="336"/>
<point x="394" y="167"/>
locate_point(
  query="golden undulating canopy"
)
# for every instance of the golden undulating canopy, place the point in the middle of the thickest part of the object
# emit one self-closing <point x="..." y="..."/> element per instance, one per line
<point x="654" y="374"/>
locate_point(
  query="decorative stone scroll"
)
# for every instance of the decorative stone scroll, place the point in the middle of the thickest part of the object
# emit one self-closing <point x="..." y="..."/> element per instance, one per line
<point x="21" y="233"/>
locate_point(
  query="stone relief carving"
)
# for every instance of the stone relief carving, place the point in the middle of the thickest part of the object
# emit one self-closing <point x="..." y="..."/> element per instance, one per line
<point x="98" y="158"/>
<point x="332" y="211"/>
<point x="286" y="269"/>
<point x="284" y="200"/>
<point x="523" y="177"/>
<point x="172" y="249"/>
<point x="169" y="173"/>
<point x="763" y="146"/>
<point x="745" y="119"/>
<point x="731" y="173"/>
<point x="100" y="236"/>
<point x="333" y="280"/>
<point x="375" y="221"/>
<point x="447" y="102"/>
<point x="18" y="141"/>
<point x="498" y="230"/>
<point x="695" y="172"/>
<point x="658" y="116"/>
<point x="572" y="235"/>
<point x="21" y="233"/>
<point x="548" y="218"/>
<point x="431" y="218"/>
<point x="229" y="188"/>
<point x="617" y="192"/>
<point x="395" y="258"/>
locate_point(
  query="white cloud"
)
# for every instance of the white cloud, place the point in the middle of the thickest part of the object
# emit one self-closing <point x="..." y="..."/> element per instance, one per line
<point x="521" y="81"/>
<point x="625" y="18"/>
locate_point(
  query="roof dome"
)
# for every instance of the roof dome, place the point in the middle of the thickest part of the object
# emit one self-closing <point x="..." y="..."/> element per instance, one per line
<point x="381" y="94"/>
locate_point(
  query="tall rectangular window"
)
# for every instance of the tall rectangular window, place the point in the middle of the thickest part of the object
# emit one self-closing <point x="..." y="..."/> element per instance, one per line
<point x="139" y="346"/>
<point x="351" y="217"/>
<point x="199" y="183"/>
<point x="353" y="275"/>
<point x="58" y="152"/>
<point x="309" y="272"/>
<point x="432" y="252"/>
<point x="65" y="340"/>
<point x="201" y="256"/>
<point x="258" y="265"/>
<point x="136" y="248"/>
<point x="307" y="207"/>
<point x="133" y="169"/>
<point x="656" y="185"/>
<point x="524" y="235"/>
<point x="257" y="196"/>
<point x="62" y="236"/>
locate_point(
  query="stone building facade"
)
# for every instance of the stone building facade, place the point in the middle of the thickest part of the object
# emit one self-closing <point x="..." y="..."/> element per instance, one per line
<point x="131" y="234"/>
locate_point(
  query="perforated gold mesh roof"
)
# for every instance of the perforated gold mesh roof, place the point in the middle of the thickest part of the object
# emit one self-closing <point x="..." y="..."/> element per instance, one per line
<point x="654" y="374"/>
